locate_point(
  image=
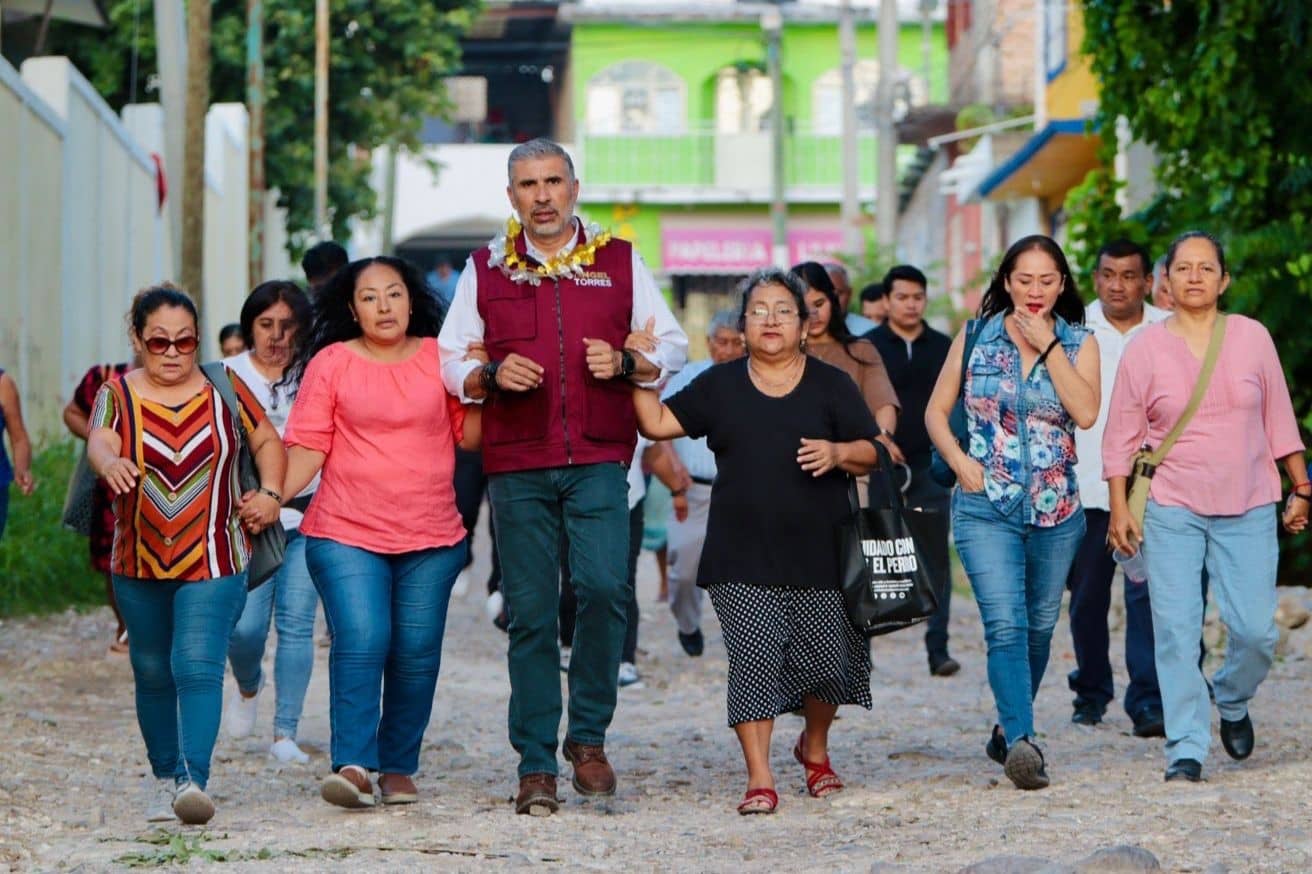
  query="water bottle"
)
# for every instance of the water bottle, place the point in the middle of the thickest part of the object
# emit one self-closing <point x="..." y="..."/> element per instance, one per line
<point x="1133" y="566"/>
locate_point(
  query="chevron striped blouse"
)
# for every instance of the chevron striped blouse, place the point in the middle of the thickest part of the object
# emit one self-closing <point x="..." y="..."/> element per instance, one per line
<point x="180" y="523"/>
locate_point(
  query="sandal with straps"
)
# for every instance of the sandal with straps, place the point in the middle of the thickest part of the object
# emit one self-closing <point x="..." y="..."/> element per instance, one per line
<point x="820" y="777"/>
<point x="760" y="800"/>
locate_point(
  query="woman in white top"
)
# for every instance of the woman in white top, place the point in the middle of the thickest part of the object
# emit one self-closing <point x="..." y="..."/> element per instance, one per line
<point x="273" y="317"/>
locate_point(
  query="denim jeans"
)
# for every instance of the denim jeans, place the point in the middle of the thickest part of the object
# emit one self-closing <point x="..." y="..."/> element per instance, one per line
<point x="590" y="503"/>
<point x="290" y="600"/>
<point x="1090" y="583"/>
<point x="1240" y="555"/>
<point x="387" y="616"/>
<point x="569" y="602"/>
<point x="179" y="633"/>
<point x="1018" y="572"/>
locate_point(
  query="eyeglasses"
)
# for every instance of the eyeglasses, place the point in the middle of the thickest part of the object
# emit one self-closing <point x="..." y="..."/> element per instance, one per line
<point x="160" y="345"/>
<point x="760" y="313"/>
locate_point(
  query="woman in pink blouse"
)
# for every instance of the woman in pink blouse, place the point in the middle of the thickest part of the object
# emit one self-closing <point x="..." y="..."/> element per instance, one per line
<point x="384" y="541"/>
<point x="1211" y="503"/>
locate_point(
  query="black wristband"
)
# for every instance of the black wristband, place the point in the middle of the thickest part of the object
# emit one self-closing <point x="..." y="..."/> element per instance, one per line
<point x="489" y="375"/>
<point x="627" y="363"/>
<point x="1044" y="355"/>
<point x="1307" y="498"/>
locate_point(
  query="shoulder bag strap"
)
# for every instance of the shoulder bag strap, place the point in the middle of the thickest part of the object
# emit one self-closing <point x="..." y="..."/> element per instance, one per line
<point x="217" y="374"/>
<point x="972" y="334"/>
<point x="1200" y="389"/>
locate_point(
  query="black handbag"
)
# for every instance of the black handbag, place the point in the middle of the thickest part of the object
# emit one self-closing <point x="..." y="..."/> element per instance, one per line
<point x="939" y="470"/>
<point x="268" y="546"/>
<point x="886" y="582"/>
<point x="78" y="499"/>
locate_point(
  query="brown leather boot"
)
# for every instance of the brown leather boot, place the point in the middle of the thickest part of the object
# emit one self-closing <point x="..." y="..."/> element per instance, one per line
<point x="537" y="795"/>
<point x="593" y="774"/>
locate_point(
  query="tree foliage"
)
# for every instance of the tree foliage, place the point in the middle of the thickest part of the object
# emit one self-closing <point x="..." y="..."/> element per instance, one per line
<point x="387" y="63"/>
<point x="1218" y="89"/>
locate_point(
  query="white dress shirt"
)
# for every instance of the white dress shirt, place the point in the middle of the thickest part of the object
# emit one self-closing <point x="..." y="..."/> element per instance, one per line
<point x="1088" y="441"/>
<point x="464" y="325"/>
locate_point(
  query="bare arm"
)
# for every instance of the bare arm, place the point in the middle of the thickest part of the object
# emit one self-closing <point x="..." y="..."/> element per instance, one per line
<point x="666" y="467"/>
<point x="655" y="421"/>
<point x="471" y="432"/>
<point x="818" y="457"/>
<point x="1297" y="505"/>
<point x="103" y="448"/>
<point x="18" y="439"/>
<point x="946" y="391"/>
<point x="76" y="421"/>
<point x="258" y="509"/>
<point x="1078" y="385"/>
<point x="302" y="465"/>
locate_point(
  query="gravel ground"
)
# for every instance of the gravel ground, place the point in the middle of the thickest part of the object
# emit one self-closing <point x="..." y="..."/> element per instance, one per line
<point x="921" y="795"/>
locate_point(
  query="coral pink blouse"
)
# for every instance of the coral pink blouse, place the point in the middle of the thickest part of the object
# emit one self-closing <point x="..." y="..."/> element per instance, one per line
<point x="388" y="433"/>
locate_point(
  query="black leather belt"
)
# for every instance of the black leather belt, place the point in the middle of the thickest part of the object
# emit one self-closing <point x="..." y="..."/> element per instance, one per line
<point x="701" y="480"/>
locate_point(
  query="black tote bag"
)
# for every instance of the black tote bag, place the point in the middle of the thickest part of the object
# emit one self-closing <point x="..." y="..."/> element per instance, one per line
<point x="886" y="583"/>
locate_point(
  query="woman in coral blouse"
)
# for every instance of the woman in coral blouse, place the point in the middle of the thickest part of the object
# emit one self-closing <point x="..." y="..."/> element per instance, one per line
<point x="384" y="540"/>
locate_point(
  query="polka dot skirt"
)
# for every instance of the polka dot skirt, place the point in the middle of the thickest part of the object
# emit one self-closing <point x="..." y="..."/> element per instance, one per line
<point x="785" y="643"/>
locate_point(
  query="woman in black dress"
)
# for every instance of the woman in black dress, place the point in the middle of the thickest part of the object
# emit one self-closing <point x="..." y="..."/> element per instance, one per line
<point x="787" y="431"/>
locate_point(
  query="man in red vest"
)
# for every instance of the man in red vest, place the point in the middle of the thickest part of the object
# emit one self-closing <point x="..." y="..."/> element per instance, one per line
<point x="552" y="300"/>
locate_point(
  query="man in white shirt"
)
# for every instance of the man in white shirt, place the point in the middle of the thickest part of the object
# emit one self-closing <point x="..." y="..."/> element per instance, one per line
<point x="551" y="302"/>
<point x="1122" y="280"/>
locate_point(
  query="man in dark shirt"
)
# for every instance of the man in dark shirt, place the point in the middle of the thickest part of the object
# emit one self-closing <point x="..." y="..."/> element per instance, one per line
<point x="914" y="353"/>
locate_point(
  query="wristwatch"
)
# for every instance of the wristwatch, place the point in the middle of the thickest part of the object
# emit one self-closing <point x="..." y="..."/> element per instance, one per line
<point x="489" y="375"/>
<point x="627" y="363"/>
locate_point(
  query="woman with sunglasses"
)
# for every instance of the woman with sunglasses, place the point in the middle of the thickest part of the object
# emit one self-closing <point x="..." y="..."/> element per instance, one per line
<point x="787" y="431"/>
<point x="166" y="445"/>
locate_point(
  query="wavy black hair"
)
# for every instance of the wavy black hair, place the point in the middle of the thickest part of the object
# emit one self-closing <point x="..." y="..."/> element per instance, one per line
<point x="334" y="322"/>
<point x="996" y="299"/>
<point x="151" y="298"/>
<point x="265" y="295"/>
<point x="817" y="278"/>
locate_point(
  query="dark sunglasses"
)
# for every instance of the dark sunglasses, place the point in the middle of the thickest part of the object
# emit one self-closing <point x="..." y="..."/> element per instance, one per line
<point x="160" y="345"/>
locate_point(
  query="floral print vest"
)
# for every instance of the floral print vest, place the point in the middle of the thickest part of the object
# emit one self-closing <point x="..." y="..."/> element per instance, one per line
<point x="1019" y="430"/>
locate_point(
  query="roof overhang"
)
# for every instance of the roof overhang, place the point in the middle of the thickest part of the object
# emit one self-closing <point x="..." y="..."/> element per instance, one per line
<point x="88" y="12"/>
<point x="1051" y="163"/>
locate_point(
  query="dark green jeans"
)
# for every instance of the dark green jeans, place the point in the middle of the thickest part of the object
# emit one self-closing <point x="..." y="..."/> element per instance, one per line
<point x="529" y="509"/>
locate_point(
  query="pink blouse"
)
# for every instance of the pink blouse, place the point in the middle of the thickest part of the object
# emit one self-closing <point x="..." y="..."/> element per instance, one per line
<point x="387" y="433"/>
<point x="1224" y="464"/>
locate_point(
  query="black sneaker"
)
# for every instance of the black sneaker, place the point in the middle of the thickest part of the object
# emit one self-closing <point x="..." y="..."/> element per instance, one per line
<point x="1237" y="737"/>
<point x="1086" y="713"/>
<point x="943" y="665"/>
<point x="996" y="748"/>
<point x="693" y="644"/>
<point x="1149" y="722"/>
<point x="1185" y="769"/>
<point x="1025" y="766"/>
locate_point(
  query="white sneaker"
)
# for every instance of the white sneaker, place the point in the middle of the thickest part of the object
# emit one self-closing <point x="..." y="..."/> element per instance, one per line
<point x="192" y="805"/>
<point x="461" y="586"/>
<point x="564" y="658"/>
<point x="492" y="608"/>
<point x="629" y="675"/>
<point x="157" y="798"/>
<point x="285" y="750"/>
<point x="240" y="718"/>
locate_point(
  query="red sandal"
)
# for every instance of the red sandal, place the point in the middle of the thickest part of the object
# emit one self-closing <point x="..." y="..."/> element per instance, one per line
<point x="758" y="801"/>
<point x="820" y="777"/>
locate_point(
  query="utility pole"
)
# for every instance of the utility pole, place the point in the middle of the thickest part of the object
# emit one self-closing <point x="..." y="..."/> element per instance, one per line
<point x="170" y="48"/>
<point x="886" y="170"/>
<point x="193" y="174"/>
<point x="851" y="209"/>
<point x="255" y="141"/>
<point x="321" y="226"/>
<point x="773" y="24"/>
<point x="926" y="45"/>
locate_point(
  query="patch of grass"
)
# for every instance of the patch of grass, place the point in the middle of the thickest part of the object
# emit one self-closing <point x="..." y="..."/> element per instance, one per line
<point x="44" y="568"/>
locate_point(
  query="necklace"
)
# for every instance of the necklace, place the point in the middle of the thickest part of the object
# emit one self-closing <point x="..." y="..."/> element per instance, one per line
<point x="558" y="266"/>
<point x="793" y="373"/>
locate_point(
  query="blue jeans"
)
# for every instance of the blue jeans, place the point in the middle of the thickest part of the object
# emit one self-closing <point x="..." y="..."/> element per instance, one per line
<point x="1018" y="572"/>
<point x="1240" y="555"/>
<point x="387" y="616"/>
<point x="589" y="503"/>
<point x="179" y="633"/>
<point x="290" y="600"/>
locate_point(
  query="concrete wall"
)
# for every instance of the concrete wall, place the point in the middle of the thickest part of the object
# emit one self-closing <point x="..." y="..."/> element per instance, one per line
<point x="81" y="231"/>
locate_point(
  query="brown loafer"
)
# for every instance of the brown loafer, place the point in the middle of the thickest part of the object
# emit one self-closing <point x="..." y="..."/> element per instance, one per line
<point x="349" y="788"/>
<point x="397" y="789"/>
<point x="593" y="774"/>
<point x="537" y="795"/>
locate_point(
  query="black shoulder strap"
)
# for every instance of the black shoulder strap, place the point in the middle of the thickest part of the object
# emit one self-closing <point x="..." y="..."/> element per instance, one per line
<point x="217" y="374"/>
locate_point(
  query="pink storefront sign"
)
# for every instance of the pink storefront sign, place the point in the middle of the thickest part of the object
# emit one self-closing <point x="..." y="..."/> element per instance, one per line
<point x="741" y="250"/>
